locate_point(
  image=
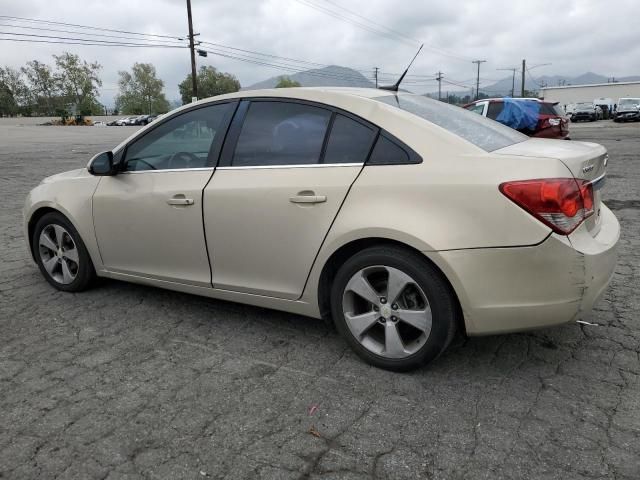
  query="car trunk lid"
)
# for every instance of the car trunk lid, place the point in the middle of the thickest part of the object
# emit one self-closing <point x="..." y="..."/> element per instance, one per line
<point x="586" y="161"/>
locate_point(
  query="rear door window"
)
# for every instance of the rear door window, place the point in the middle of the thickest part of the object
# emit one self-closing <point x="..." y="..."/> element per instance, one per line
<point x="281" y="133"/>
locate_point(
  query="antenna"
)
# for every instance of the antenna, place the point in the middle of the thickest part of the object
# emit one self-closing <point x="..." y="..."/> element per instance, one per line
<point x="395" y="86"/>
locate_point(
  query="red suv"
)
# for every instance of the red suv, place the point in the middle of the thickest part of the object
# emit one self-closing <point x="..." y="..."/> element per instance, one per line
<point x="551" y="123"/>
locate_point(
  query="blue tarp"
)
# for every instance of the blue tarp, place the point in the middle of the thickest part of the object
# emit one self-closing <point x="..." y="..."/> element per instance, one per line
<point x="519" y="114"/>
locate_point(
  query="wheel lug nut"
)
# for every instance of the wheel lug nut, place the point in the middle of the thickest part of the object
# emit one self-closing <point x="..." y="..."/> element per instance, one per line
<point x="383" y="300"/>
<point x="375" y="308"/>
<point x="394" y="306"/>
<point x="394" y="319"/>
<point x="382" y="319"/>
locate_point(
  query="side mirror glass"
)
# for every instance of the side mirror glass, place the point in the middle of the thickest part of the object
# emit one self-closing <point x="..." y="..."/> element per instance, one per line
<point x="101" y="164"/>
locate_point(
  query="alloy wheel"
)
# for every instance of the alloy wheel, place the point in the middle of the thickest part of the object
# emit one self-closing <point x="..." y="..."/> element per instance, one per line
<point x="58" y="254"/>
<point x="387" y="311"/>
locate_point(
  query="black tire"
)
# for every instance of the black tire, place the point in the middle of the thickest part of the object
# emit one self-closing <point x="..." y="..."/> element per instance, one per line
<point x="85" y="274"/>
<point x="442" y="301"/>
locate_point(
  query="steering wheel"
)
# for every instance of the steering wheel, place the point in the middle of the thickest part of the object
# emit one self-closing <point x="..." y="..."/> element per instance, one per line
<point x="182" y="160"/>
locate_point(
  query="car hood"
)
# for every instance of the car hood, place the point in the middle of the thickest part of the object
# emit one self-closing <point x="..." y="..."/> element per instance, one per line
<point x="71" y="174"/>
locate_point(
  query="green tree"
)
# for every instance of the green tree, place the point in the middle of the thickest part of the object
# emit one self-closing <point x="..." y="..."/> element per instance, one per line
<point x="78" y="82"/>
<point x="286" y="82"/>
<point x="13" y="92"/>
<point x="43" y="88"/>
<point x="210" y="83"/>
<point x="141" y="91"/>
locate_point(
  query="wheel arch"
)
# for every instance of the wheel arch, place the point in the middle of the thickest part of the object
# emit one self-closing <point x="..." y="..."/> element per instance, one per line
<point x="347" y="250"/>
<point x="36" y="215"/>
<point x="40" y="211"/>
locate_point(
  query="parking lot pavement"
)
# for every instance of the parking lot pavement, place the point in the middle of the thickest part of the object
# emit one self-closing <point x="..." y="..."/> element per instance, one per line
<point x="126" y="381"/>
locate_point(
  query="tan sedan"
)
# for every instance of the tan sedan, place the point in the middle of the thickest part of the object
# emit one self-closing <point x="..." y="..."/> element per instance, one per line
<point x="399" y="218"/>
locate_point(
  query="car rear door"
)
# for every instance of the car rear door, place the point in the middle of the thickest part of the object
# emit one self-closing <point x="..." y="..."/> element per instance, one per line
<point x="285" y="170"/>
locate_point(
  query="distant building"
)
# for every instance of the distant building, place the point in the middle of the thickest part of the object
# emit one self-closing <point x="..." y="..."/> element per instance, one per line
<point x="570" y="94"/>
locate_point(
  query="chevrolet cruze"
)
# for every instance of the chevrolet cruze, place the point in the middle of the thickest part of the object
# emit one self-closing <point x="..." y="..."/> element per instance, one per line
<point x="400" y="219"/>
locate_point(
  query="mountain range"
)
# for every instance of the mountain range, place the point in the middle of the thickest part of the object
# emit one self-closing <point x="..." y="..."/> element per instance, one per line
<point x="331" y="76"/>
<point x="337" y="76"/>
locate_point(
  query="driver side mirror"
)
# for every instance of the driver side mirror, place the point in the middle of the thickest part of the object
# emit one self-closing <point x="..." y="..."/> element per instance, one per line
<point x="101" y="164"/>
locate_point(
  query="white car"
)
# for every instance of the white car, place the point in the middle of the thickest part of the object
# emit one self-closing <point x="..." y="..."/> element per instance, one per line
<point x="399" y="218"/>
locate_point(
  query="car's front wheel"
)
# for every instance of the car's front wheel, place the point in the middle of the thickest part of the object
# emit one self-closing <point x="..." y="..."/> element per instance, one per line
<point x="61" y="254"/>
<point x="393" y="308"/>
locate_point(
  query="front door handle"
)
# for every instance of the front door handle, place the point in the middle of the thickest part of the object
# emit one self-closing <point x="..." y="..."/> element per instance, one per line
<point x="307" y="197"/>
<point x="180" y="200"/>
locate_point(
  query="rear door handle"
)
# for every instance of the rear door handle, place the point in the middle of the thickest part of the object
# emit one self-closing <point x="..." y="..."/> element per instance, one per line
<point x="308" y="198"/>
<point x="180" y="200"/>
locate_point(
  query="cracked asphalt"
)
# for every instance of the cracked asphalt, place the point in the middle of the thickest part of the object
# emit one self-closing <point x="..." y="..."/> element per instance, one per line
<point x="128" y="382"/>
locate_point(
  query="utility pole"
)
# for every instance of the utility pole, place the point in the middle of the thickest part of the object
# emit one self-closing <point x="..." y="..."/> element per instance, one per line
<point x="192" y="47"/>
<point x="375" y="74"/>
<point x="439" y="79"/>
<point x="478" y="77"/>
<point x="513" y="78"/>
<point x="524" y="66"/>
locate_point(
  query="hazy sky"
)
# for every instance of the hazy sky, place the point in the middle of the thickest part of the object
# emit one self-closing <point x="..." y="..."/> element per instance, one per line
<point x="575" y="36"/>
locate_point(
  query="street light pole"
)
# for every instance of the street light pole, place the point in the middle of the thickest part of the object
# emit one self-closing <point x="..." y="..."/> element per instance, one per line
<point x="193" y="54"/>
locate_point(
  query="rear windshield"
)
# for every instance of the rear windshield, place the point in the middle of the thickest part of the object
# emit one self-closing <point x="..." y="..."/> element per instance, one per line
<point x="551" y="109"/>
<point x="474" y="128"/>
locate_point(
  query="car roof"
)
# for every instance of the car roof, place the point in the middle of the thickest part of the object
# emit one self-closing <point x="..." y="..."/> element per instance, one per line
<point x="361" y="102"/>
<point x="306" y="92"/>
<point x="516" y="99"/>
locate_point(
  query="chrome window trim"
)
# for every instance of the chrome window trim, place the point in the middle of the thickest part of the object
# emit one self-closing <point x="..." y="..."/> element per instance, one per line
<point x="310" y="165"/>
<point x="201" y="169"/>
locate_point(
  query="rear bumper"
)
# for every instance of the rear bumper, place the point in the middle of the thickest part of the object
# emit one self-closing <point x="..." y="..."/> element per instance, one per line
<point x="513" y="289"/>
<point x="555" y="131"/>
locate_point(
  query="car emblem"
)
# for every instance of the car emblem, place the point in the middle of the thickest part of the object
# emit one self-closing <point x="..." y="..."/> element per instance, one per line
<point x="588" y="168"/>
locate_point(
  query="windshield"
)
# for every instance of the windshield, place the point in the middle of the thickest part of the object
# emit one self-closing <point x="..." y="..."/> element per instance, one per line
<point x="585" y="105"/>
<point x="483" y="133"/>
<point x="629" y="102"/>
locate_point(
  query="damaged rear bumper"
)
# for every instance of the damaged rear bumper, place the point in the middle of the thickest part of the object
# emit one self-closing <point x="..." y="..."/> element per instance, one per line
<point x="513" y="289"/>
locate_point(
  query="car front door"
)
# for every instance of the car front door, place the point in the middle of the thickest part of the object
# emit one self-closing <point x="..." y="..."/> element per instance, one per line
<point x="148" y="217"/>
<point x="284" y="173"/>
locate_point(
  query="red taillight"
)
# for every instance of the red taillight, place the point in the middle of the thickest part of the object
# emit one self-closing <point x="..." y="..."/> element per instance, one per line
<point x="560" y="203"/>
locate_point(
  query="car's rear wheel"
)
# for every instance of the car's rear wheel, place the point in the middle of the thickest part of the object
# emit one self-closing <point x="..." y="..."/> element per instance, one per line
<point x="393" y="308"/>
<point x="61" y="254"/>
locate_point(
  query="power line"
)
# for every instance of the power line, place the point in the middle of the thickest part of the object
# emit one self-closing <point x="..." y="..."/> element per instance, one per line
<point x="376" y="27"/>
<point x="39" y="28"/>
<point x="256" y="61"/>
<point x="69" y="38"/>
<point x="364" y="26"/>
<point x="89" y="43"/>
<point x="355" y="14"/>
<point x="264" y="54"/>
<point x="51" y="22"/>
